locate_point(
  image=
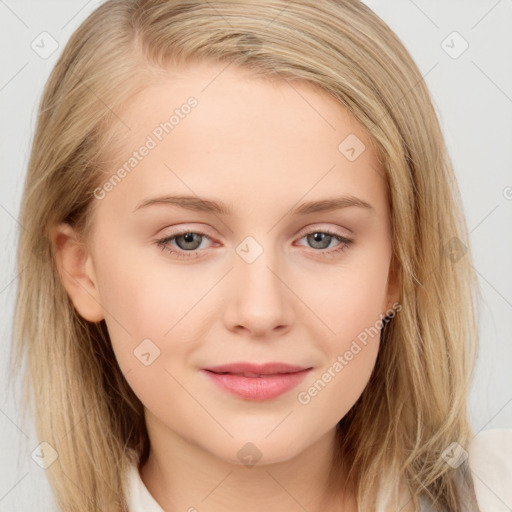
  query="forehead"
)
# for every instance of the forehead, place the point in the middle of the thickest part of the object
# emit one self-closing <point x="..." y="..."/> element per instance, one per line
<point x="208" y="125"/>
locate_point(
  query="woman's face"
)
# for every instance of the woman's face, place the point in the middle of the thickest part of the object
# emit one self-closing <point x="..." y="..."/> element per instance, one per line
<point x="251" y="282"/>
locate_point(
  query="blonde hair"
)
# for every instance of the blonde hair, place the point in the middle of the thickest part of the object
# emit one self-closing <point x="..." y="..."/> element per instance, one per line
<point x="415" y="404"/>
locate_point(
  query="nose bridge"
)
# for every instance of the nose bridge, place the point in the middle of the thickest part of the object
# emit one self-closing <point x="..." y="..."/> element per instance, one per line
<point x="261" y="299"/>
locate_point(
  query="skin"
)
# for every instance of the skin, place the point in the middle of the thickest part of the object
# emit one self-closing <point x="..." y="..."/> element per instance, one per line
<point x="263" y="148"/>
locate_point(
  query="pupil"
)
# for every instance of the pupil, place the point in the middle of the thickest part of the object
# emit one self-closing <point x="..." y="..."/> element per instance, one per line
<point x="188" y="241"/>
<point x="320" y="238"/>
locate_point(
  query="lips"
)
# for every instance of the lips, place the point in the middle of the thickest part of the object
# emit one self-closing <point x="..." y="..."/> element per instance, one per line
<point x="255" y="369"/>
<point x="257" y="381"/>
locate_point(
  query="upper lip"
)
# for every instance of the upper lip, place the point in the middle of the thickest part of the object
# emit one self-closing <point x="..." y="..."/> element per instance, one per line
<point x="257" y="369"/>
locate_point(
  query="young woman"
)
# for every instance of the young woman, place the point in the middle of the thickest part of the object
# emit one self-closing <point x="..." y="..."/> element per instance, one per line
<point x="248" y="277"/>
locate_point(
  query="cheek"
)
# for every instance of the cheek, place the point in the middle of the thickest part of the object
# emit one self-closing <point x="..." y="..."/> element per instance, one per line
<point x="149" y="297"/>
<point x="154" y="321"/>
<point x="152" y="329"/>
<point x="338" y="386"/>
<point x="350" y="304"/>
<point x="346" y="299"/>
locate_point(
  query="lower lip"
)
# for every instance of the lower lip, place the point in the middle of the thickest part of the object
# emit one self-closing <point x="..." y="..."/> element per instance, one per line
<point x="258" y="388"/>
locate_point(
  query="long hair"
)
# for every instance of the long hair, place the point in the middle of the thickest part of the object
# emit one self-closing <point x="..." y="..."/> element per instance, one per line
<point x="415" y="404"/>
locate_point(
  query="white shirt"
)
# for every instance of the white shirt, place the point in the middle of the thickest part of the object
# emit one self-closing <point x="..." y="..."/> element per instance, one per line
<point x="490" y="461"/>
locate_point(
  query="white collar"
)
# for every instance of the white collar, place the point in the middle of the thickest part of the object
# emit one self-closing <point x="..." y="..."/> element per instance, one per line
<point x="139" y="498"/>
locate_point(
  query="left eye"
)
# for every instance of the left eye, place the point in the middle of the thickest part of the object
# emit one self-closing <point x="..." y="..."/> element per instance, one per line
<point x="190" y="241"/>
<point x="319" y="238"/>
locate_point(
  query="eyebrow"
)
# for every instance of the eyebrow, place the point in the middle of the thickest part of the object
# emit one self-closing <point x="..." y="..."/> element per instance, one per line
<point x="218" y="207"/>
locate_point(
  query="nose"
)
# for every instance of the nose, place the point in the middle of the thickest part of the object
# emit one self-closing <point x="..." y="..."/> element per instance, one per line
<point x="259" y="302"/>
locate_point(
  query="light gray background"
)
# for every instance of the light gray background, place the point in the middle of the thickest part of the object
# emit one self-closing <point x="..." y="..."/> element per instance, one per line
<point x="473" y="98"/>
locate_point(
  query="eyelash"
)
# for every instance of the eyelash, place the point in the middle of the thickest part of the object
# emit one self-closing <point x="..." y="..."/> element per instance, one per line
<point x="163" y="243"/>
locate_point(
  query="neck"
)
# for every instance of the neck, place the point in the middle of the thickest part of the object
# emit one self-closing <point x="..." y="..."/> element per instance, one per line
<point x="183" y="476"/>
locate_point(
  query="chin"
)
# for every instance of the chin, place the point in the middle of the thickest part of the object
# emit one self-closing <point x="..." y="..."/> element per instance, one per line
<point x="260" y="451"/>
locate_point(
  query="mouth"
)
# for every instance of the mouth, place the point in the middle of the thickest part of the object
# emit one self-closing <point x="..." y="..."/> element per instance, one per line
<point x="257" y="382"/>
<point x="245" y="374"/>
<point x="255" y="369"/>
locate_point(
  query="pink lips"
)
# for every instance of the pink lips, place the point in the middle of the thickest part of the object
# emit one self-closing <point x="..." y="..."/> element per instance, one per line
<point x="257" y="382"/>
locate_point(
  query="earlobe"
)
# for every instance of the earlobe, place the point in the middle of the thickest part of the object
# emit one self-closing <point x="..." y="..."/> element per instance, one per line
<point x="76" y="270"/>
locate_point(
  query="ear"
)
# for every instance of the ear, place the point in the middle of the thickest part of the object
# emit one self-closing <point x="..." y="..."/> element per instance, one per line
<point x="75" y="267"/>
